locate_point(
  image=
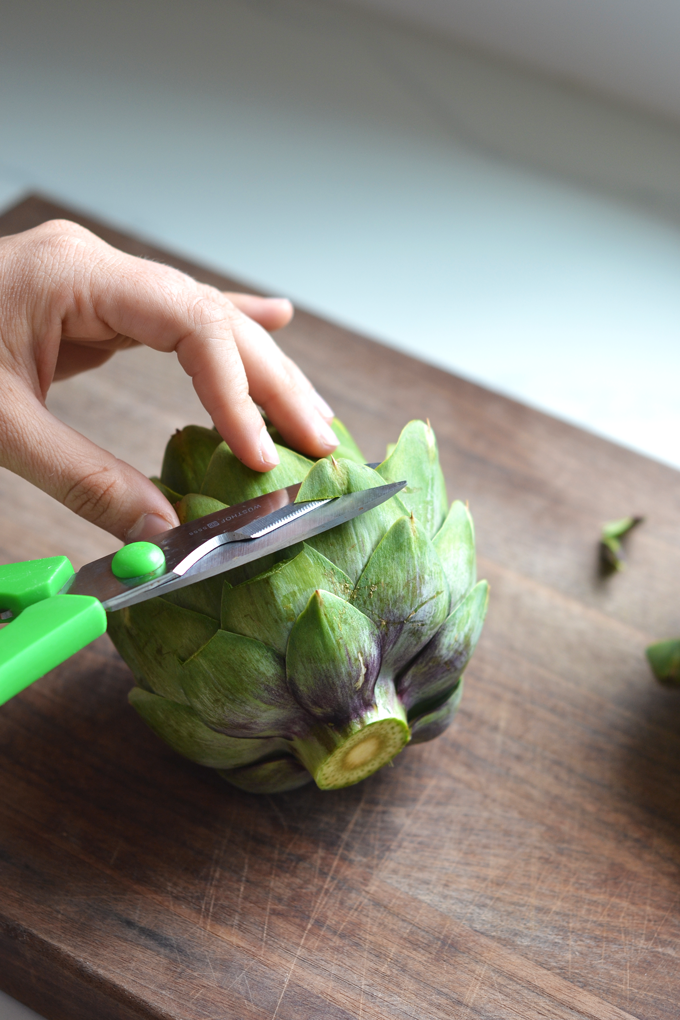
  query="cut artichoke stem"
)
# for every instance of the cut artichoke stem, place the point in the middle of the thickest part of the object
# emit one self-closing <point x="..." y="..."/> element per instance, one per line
<point x="338" y="757"/>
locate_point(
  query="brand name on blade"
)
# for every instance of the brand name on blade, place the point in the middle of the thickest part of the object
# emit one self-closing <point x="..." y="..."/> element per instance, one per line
<point x="223" y="520"/>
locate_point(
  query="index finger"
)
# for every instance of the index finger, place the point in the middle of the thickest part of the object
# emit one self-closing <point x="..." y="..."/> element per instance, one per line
<point x="168" y="311"/>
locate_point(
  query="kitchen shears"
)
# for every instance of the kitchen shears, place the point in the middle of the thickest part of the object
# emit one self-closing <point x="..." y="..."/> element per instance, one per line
<point x="51" y="611"/>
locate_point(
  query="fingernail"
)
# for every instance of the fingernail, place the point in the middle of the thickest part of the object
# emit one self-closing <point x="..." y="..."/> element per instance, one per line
<point x="146" y="527"/>
<point x="327" y="435"/>
<point x="270" y="457"/>
<point x="322" y="407"/>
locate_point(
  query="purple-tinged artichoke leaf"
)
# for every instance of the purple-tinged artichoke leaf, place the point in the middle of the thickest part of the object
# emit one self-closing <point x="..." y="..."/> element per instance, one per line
<point x="267" y="607"/>
<point x="441" y="662"/>
<point x="333" y="659"/>
<point x="238" y="686"/>
<point x="180" y="727"/>
<point x="404" y="591"/>
<point x="435" y="719"/>
<point x="230" y="481"/>
<point x="187" y="456"/>
<point x="162" y="635"/>
<point x="455" y="545"/>
<point x="664" y="658"/>
<point x="276" y="776"/>
<point x="415" y="459"/>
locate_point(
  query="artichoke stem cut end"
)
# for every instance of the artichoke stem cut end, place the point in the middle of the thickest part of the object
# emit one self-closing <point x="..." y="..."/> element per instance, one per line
<point x="362" y="754"/>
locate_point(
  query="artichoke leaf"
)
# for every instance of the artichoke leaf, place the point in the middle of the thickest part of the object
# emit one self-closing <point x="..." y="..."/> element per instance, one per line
<point x="455" y="544"/>
<point x="276" y="776"/>
<point x="442" y="661"/>
<point x="404" y="591"/>
<point x="247" y="571"/>
<point x="162" y="634"/>
<point x="267" y="607"/>
<point x="181" y="728"/>
<point x="238" y="686"/>
<point x="435" y="719"/>
<point x="187" y="456"/>
<point x="230" y="481"/>
<point x="201" y="597"/>
<point x="333" y="659"/>
<point x="127" y="648"/>
<point x="415" y="458"/>
<point x="194" y="505"/>
<point x="351" y="545"/>
<point x="664" y="659"/>
<point x="171" y="496"/>
<point x="331" y="477"/>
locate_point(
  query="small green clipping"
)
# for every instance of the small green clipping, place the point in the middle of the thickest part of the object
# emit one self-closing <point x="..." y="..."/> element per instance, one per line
<point x="664" y="658"/>
<point x="611" y="550"/>
<point x="137" y="559"/>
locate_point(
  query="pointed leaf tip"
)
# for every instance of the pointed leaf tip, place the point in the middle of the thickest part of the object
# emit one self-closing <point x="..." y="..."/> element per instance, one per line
<point x="333" y="659"/>
<point x="416" y="459"/>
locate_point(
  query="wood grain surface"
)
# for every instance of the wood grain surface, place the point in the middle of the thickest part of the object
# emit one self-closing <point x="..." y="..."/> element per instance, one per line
<point x="525" y="865"/>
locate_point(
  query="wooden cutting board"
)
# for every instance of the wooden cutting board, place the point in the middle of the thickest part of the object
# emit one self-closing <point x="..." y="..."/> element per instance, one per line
<point x="526" y="864"/>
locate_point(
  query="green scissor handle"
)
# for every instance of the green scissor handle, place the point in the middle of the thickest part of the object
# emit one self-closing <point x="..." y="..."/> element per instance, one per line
<point x="47" y="628"/>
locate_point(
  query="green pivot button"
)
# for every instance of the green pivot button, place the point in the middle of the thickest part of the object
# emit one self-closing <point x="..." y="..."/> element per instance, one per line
<point x="137" y="559"/>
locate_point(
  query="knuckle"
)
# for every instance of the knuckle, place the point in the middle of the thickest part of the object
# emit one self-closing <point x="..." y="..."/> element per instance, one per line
<point x="58" y="244"/>
<point x="207" y="306"/>
<point x="61" y="233"/>
<point x="206" y="309"/>
<point x="62" y="226"/>
<point x="94" y="496"/>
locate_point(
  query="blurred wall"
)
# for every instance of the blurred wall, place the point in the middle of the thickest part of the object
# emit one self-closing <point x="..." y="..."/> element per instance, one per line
<point x="624" y="48"/>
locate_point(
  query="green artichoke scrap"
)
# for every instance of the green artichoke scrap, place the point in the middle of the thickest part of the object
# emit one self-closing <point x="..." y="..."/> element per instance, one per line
<point x="664" y="659"/>
<point x="323" y="661"/>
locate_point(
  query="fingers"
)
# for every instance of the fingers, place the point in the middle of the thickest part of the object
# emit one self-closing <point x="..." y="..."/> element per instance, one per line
<point x="284" y="392"/>
<point x="97" y="295"/>
<point x="232" y="361"/>
<point x="271" y="313"/>
<point x="88" y="480"/>
<point x="220" y="381"/>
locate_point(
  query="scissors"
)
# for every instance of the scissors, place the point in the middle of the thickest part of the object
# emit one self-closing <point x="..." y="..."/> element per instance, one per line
<point x="52" y="611"/>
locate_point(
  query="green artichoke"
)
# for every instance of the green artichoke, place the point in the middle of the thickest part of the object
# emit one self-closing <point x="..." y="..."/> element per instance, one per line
<point x="321" y="662"/>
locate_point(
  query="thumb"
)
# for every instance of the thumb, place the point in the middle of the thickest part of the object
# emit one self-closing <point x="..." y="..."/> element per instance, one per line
<point x="81" y="475"/>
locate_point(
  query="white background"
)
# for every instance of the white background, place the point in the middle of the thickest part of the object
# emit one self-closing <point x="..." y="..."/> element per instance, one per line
<point x="517" y="230"/>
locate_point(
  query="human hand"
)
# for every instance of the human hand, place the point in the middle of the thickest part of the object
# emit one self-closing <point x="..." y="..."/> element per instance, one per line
<point x="68" y="301"/>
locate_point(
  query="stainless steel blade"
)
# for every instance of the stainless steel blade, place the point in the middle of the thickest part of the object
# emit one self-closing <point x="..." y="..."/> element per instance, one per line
<point x="186" y="541"/>
<point x="197" y="554"/>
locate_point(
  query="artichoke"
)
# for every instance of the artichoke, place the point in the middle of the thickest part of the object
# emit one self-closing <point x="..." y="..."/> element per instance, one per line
<point x="325" y="660"/>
